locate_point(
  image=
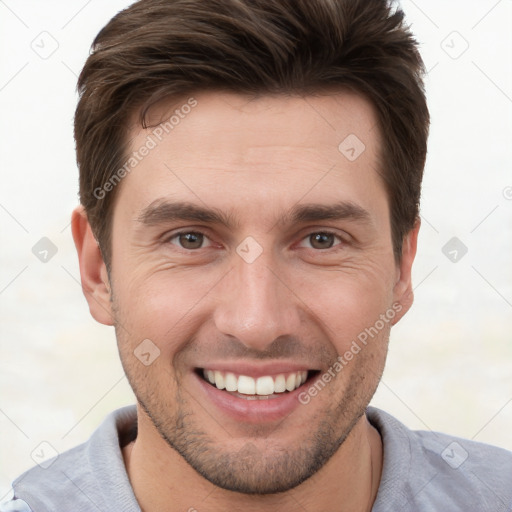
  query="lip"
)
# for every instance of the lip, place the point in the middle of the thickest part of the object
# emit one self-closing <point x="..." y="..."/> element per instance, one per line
<point x="250" y="411"/>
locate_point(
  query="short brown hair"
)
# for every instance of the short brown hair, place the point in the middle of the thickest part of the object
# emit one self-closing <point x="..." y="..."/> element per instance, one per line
<point x="158" y="49"/>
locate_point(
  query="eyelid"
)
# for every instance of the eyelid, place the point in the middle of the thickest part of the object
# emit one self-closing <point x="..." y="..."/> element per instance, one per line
<point x="182" y="230"/>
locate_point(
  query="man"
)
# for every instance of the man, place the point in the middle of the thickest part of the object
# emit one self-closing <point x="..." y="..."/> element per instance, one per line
<point x="250" y="174"/>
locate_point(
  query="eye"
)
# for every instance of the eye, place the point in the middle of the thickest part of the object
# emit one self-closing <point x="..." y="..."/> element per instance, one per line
<point x="190" y="240"/>
<point x="321" y="240"/>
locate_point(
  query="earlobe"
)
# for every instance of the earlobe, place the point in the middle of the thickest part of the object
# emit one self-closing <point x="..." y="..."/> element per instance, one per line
<point x="93" y="272"/>
<point x="403" y="292"/>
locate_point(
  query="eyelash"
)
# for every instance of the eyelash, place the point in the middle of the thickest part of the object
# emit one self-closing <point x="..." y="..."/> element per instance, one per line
<point x="177" y="235"/>
<point x="323" y="232"/>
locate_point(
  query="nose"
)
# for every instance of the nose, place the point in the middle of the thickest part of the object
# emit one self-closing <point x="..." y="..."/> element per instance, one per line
<point x="256" y="305"/>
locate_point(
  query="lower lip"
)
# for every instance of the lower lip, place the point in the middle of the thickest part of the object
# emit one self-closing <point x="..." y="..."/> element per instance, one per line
<point x="252" y="411"/>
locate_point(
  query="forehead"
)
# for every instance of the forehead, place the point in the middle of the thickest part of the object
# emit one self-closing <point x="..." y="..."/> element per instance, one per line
<point x="219" y="148"/>
<point x="318" y="122"/>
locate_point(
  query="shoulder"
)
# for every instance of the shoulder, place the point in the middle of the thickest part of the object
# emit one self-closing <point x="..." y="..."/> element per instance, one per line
<point x="89" y="476"/>
<point x="14" y="505"/>
<point x="433" y="471"/>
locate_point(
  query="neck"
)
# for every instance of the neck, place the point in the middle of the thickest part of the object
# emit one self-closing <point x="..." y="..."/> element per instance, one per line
<point x="163" y="480"/>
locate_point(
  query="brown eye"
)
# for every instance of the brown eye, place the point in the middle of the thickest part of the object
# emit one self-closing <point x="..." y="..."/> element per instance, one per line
<point x="321" y="240"/>
<point x="188" y="240"/>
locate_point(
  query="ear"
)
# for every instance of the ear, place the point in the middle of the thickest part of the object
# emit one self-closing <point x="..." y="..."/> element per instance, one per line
<point x="403" y="295"/>
<point x="93" y="272"/>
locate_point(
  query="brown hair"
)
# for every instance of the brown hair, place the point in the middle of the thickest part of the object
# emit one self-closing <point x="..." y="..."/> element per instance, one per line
<point x="158" y="49"/>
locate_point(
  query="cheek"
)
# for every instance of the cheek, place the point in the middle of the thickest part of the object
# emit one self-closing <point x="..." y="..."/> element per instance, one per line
<point x="162" y="307"/>
<point x="347" y="303"/>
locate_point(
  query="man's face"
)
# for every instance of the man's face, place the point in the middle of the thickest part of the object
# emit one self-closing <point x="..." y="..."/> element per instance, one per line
<point x="247" y="243"/>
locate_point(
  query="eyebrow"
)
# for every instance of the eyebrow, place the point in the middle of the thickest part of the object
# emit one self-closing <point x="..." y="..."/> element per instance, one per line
<point x="343" y="210"/>
<point x="162" y="211"/>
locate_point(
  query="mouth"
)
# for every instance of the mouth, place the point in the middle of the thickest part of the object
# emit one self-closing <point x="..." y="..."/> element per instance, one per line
<point x="263" y="387"/>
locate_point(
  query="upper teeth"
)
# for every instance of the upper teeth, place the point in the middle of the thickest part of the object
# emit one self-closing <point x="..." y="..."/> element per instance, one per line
<point x="266" y="385"/>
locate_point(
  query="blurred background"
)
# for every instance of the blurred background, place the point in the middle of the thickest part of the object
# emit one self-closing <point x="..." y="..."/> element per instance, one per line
<point x="450" y="361"/>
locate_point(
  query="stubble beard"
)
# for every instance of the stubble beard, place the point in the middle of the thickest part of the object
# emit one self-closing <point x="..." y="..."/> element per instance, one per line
<point x="262" y="465"/>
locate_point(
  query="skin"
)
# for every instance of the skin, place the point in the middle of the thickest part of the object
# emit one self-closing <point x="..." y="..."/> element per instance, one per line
<point x="299" y="302"/>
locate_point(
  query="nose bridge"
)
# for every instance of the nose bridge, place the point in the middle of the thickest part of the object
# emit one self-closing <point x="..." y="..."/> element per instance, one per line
<point x="255" y="306"/>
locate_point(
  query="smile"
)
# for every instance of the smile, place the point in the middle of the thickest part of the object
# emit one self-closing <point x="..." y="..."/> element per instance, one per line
<point x="249" y="393"/>
<point x="263" y="387"/>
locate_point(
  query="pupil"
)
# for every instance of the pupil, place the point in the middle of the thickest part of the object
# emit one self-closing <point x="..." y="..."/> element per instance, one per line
<point x="322" y="240"/>
<point x="191" y="240"/>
